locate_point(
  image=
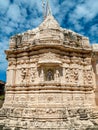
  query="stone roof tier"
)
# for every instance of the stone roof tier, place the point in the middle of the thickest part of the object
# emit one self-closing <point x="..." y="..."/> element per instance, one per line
<point x="49" y="32"/>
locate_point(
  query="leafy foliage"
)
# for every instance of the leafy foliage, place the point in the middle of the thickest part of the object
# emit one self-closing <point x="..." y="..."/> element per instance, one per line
<point x="2" y="97"/>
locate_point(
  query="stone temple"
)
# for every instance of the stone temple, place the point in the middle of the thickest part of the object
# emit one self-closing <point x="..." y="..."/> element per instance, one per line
<point x="52" y="80"/>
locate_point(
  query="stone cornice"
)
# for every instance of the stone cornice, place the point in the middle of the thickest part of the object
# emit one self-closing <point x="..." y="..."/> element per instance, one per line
<point x="61" y="48"/>
<point x="49" y="86"/>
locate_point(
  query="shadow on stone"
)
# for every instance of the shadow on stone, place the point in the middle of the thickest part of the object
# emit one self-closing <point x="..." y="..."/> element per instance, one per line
<point x="95" y="128"/>
<point x="1" y="127"/>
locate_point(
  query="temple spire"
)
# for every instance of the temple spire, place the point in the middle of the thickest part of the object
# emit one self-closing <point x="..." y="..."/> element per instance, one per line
<point x="46" y="8"/>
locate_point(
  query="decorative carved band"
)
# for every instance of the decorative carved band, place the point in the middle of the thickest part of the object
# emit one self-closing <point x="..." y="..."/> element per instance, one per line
<point x="48" y="86"/>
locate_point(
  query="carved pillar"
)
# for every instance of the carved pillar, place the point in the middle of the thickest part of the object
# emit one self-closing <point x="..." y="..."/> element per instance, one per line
<point x="80" y="81"/>
<point x="13" y="43"/>
<point x="42" y="75"/>
<point x="57" y="76"/>
<point x="14" y="76"/>
<point x="8" y="77"/>
<point x="63" y="78"/>
<point x="11" y="72"/>
<point x="95" y="70"/>
<point x="18" y="76"/>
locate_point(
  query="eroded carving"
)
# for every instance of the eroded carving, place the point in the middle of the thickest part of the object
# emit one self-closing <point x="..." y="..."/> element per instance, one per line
<point x="88" y="78"/>
<point x="25" y="75"/>
<point x="74" y="75"/>
<point x="67" y="74"/>
<point x="32" y="74"/>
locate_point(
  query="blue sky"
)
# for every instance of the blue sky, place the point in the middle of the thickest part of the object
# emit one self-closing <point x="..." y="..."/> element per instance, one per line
<point x="17" y="16"/>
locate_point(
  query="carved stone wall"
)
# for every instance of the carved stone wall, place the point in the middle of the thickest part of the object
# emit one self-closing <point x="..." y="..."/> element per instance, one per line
<point x="50" y="81"/>
<point x="95" y="67"/>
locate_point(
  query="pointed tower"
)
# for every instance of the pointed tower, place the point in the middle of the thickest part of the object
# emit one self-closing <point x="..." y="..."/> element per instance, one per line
<point x="46" y="8"/>
<point x="50" y="81"/>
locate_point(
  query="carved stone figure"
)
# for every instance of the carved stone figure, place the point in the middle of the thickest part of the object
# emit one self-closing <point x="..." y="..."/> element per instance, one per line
<point x="88" y="79"/>
<point x="24" y="75"/>
<point x="67" y="74"/>
<point x="57" y="75"/>
<point x="33" y="74"/>
<point x="74" y="75"/>
<point x="50" y="75"/>
<point x="18" y="40"/>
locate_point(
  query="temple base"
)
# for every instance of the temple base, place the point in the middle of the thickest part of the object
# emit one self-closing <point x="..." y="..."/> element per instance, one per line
<point x="71" y="119"/>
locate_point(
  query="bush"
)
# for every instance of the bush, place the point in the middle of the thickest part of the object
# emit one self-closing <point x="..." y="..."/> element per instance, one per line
<point x="2" y="97"/>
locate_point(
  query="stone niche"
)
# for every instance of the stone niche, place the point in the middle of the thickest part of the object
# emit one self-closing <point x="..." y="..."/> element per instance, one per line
<point x="51" y="81"/>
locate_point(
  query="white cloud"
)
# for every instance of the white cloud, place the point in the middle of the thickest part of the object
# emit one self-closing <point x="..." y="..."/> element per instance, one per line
<point x="84" y="11"/>
<point x="94" y="28"/>
<point x="13" y="24"/>
<point x="14" y="12"/>
<point x="3" y="46"/>
<point x="8" y="29"/>
<point x="4" y="4"/>
<point x="92" y="8"/>
<point x="94" y="32"/>
<point x="87" y="10"/>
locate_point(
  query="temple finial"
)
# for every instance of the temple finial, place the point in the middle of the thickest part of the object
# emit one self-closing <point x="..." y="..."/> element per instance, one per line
<point x="46" y="8"/>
